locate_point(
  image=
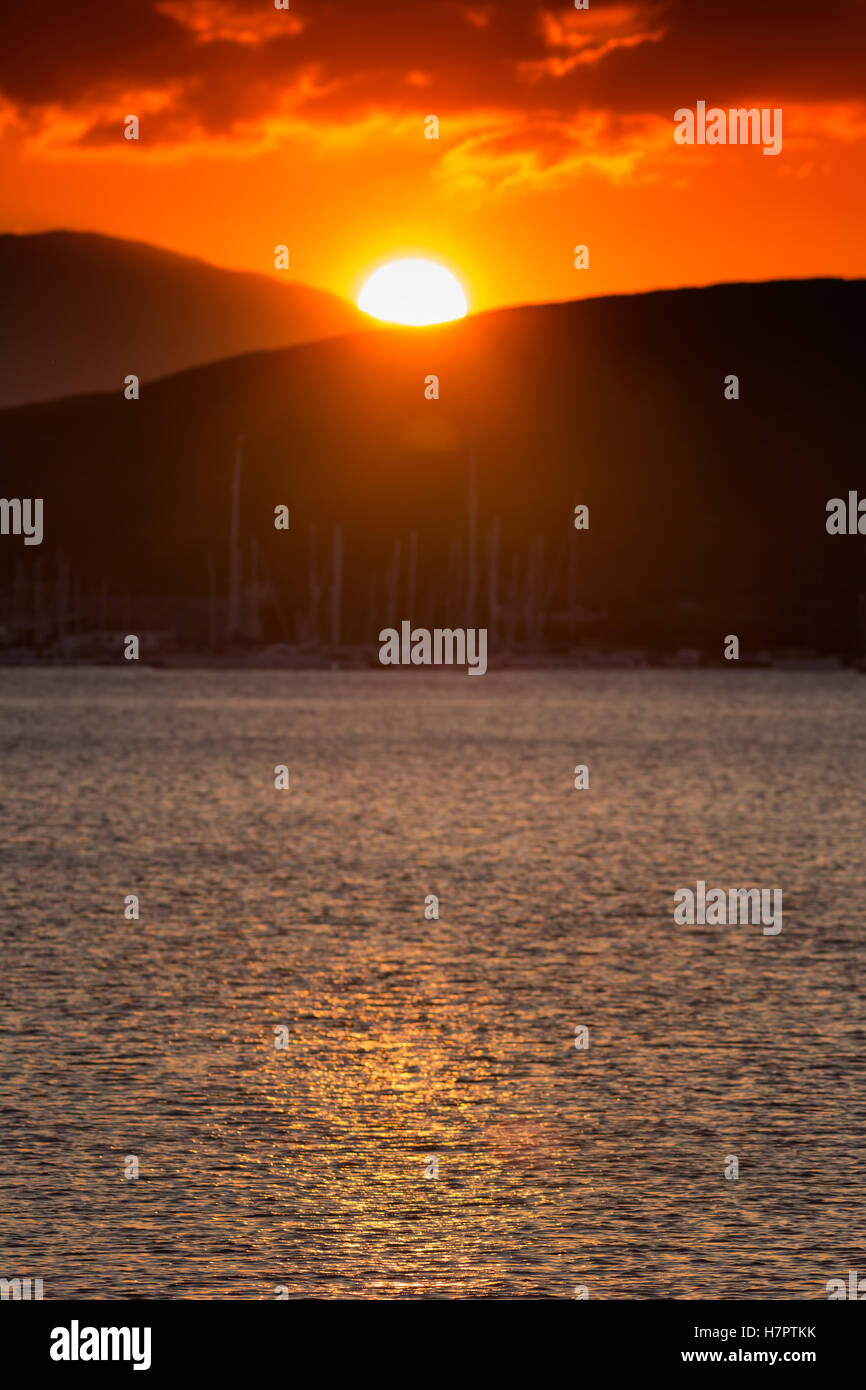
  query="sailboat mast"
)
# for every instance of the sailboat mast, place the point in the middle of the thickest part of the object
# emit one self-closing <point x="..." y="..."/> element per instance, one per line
<point x="472" y="566"/>
<point x="234" y="545"/>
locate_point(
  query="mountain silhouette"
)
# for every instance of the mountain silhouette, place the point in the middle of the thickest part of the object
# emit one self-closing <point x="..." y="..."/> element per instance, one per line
<point x="81" y="311"/>
<point x="706" y="515"/>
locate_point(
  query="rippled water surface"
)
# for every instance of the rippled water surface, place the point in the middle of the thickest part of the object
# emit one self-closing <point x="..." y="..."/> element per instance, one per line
<point x="409" y="1038"/>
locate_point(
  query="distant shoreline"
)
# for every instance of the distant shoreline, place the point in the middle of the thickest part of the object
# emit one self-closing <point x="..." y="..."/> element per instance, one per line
<point x="365" y="658"/>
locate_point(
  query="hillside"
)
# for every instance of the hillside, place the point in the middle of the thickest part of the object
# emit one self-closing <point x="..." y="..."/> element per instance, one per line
<point x="80" y="311"/>
<point x="707" y="516"/>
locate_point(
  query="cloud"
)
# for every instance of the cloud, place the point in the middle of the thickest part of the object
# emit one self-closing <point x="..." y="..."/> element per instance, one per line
<point x="503" y="154"/>
<point x="479" y="15"/>
<point x="213" y="21"/>
<point x="509" y="155"/>
<point x="589" y="36"/>
<point x="220" y="70"/>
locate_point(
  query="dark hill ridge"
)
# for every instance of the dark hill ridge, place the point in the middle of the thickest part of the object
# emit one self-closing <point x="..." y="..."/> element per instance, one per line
<point x="707" y="516"/>
<point x="81" y="310"/>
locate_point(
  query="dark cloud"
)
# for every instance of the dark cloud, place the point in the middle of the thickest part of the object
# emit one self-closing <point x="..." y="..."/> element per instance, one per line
<point x="223" y="63"/>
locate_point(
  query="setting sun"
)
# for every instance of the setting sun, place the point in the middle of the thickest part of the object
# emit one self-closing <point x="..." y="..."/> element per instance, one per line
<point x="414" y="292"/>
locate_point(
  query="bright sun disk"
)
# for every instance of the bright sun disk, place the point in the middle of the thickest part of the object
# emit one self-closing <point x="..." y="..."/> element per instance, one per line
<point x="414" y="292"/>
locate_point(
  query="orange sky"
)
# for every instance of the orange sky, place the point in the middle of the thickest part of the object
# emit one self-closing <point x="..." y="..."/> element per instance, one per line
<point x="260" y="126"/>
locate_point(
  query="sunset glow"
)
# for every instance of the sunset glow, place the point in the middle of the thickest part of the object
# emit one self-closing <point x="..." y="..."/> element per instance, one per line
<point x="556" y="128"/>
<point x="432" y="674"/>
